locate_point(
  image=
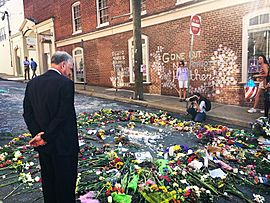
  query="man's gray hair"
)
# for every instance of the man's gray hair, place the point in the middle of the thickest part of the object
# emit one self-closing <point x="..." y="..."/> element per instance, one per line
<point x="61" y="56"/>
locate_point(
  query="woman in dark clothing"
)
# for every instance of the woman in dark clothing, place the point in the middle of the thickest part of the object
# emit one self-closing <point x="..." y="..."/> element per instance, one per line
<point x="267" y="87"/>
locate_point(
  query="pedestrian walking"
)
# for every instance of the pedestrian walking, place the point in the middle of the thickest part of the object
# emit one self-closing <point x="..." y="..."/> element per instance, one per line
<point x="182" y="77"/>
<point x="264" y="68"/>
<point x="26" y="65"/>
<point x="51" y="119"/>
<point x="33" y="65"/>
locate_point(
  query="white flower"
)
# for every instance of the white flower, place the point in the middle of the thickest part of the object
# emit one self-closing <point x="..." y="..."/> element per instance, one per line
<point x="117" y="185"/>
<point x="258" y="198"/>
<point x="101" y="178"/>
<point x="184" y="181"/>
<point x="37" y="179"/>
<point x="98" y="172"/>
<point x="110" y="199"/>
<point x="17" y="154"/>
<point x="175" y="185"/>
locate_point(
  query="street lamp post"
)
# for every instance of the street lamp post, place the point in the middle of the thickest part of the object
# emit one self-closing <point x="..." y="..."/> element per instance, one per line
<point x="9" y="32"/>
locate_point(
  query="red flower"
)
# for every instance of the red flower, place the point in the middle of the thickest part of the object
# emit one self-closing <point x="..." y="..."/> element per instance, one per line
<point x="116" y="160"/>
<point x="199" y="136"/>
<point x="165" y="177"/>
<point x="190" y="159"/>
<point x="108" y="193"/>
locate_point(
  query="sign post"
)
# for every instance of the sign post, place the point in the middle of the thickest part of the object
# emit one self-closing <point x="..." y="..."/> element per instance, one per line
<point x="195" y="29"/>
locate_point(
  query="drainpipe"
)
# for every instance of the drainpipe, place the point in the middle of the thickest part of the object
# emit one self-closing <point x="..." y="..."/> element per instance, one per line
<point x="9" y="33"/>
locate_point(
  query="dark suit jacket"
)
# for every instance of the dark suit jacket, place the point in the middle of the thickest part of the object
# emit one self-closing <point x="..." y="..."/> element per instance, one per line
<point x="49" y="107"/>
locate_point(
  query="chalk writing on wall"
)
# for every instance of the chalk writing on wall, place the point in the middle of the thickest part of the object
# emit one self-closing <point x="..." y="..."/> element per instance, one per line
<point x="167" y="76"/>
<point x="218" y="72"/>
<point x="210" y="76"/>
<point x="119" y="71"/>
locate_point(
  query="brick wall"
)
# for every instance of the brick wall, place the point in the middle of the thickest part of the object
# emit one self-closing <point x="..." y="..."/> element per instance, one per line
<point x="219" y="27"/>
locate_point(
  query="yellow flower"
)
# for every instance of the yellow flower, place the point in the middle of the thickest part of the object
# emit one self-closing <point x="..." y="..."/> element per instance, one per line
<point x="119" y="165"/>
<point x="176" y="147"/>
<point x="180" y="190"/>
<point x="109" y="185"/>
<point x="26" y="134"/>
<point x="140" y="171"/>
<point x="19" y="162"/>
<point x="163" y="188"/>
<point x="16" y="139"/>
<point x="162" y="123"/>
<point x="257" y="154"/>
<point x="135" y="161"/>
<point x="154" y="187"/>
<point x="179" y="124"/>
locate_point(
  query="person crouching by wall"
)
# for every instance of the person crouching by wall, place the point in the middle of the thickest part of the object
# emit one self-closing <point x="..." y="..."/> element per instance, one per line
<point x="197" y="108"/>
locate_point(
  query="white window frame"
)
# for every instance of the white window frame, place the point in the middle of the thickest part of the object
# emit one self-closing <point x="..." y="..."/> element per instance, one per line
<point x="73" y="19"/>
<point x="74" y="68"/>
<point x="145" y="47"/>
<point x="143" y="12"/>
<point x="246" y="29"/>
<point x="98" y="17"/>
<point x="178" y="2"/>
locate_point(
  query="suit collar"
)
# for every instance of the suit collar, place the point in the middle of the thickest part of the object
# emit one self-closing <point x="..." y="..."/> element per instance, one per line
<point x="53" y="69"/>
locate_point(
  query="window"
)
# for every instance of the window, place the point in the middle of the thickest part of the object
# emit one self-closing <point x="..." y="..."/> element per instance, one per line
<point x="76" y="17"/>
<point x="145" y="55"/>
<point x="2" y="34"/>
<point x="102" y="13"/>
<point x="79" y="70"/>
<point x="143" y="7"/>
<point x="256" y="41"/>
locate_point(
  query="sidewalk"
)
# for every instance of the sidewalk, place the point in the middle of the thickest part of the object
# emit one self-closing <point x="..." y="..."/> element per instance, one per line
<point x="227" y="114"/>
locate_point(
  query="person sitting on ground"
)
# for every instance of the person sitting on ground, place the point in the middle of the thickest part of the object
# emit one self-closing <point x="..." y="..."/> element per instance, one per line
<point x="197" y="108"/>
<point x="261" y="77"/>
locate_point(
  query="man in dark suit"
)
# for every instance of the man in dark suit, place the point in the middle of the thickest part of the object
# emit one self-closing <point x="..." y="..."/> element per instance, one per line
<point x="50" y="116"/>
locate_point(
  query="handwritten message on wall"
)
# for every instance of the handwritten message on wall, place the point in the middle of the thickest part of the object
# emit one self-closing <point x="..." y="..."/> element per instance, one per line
<point x="213" y="74"/>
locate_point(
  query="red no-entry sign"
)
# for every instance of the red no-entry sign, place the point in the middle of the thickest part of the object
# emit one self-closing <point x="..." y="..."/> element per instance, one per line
<point x="195" y="25"/>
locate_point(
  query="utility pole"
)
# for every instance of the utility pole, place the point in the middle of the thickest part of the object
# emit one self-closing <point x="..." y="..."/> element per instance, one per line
<point x="136" y="11"/>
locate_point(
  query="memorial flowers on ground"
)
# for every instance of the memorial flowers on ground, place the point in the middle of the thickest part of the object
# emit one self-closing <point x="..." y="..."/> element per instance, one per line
<point x="115" y="166"/>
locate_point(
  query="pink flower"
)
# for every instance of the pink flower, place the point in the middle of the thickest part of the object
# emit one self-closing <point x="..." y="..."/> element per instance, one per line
<point x="149" y="182"/>
<point x="88" y="198"/>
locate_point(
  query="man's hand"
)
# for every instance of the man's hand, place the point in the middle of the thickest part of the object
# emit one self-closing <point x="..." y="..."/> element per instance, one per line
<point x="37" y="140"/>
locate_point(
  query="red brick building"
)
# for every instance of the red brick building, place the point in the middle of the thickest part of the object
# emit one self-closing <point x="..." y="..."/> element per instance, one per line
<point x="98" y="34"/>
